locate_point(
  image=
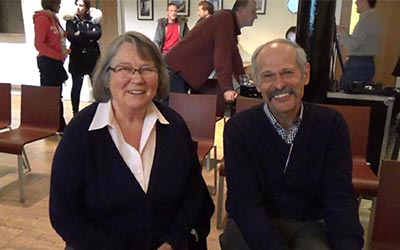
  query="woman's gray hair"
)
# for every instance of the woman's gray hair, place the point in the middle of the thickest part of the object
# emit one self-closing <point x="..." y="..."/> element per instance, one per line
<point x="146" y="50"/>
<point x="301" y="56"/>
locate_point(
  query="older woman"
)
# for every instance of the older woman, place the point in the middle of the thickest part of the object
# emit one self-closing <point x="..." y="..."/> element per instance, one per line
<point x="125" y="174"/>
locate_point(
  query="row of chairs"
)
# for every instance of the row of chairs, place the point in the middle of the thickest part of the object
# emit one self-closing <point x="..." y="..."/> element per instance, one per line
<point x="39" y="119"/>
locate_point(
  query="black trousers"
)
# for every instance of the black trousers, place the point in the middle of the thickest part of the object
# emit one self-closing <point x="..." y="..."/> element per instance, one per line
<point x="52" y="73"/>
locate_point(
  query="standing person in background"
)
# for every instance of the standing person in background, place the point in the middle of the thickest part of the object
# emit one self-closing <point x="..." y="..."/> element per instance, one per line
<point x="361" y="46"/>
<point x="50" y="43"/>
<point x="212" y="44"/>
<point x="83" y="31"/>
<point x="170" y="30"/>
<point x="291" y="34"/>
<point x="204" y="10"/>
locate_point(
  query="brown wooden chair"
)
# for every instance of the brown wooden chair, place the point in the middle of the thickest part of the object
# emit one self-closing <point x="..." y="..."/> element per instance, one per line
<point x="365" y="182"/>
<point x="5" y="106"/>
<point x="386" y="229"/>
<point x="39" y="119"/>
<point x="211" y="87"/>
<point x="199" y="111"/>
<point x="242" y="103"/>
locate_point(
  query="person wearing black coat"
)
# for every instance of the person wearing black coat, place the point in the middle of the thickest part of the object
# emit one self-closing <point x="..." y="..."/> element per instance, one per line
<point x="83" y="32"/>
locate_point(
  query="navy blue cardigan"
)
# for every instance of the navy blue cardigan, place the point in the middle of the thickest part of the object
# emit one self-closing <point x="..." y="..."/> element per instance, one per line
<point x="96" y="202"/>
<point x="317" y="184"/>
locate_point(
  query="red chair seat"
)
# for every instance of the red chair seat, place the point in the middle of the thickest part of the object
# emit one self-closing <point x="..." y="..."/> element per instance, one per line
<point x="365" y="182"/>
<point x="13" y="141"/>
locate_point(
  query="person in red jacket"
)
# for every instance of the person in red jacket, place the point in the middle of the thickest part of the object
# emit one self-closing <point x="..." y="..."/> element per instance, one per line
<point x="50" y="43"/>
<point x="211" y="44"/>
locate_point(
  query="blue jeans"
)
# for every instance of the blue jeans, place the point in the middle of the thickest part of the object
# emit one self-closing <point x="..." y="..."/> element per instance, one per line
<point x="357" y="68"/>
<point x="177" y="84"/>
<point x="52" y="73"/>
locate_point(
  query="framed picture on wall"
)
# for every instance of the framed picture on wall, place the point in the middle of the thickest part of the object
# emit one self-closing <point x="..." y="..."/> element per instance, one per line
<point x="261" y="5"/>
<point x="145" y="9"/>
<point x="183" y="6"/>
<point x="217" y="4"/>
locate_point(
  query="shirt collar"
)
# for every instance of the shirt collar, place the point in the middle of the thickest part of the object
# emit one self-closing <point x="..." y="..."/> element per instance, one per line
<point x="104" y="116"/>
<point x="287" y="134"/>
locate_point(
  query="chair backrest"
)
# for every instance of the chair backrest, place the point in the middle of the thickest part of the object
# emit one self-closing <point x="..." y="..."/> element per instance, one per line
<point x="5" y="105"/>
<point x="211" y="87"/>
<point x="357" y="119"/>
<point x="40" y="107"/>
<point x="243" y="103"/>
<point x="387" y="220"/>
<point x="198" y="111"/>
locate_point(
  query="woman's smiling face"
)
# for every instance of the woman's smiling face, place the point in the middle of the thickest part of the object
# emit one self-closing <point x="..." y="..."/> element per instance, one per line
<point x="133" y="81"/>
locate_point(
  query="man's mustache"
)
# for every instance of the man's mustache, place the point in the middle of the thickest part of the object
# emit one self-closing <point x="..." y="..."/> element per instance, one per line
<point x="284" y="90"/>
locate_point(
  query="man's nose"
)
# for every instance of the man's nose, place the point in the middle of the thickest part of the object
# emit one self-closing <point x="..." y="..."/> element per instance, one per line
<point x="279" y="83"/>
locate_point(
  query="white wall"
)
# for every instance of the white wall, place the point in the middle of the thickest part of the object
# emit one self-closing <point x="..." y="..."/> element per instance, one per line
<point x="18" y="60"/>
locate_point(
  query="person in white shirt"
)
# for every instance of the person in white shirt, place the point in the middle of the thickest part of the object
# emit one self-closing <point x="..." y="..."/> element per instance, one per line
<point x="126" y="174"/>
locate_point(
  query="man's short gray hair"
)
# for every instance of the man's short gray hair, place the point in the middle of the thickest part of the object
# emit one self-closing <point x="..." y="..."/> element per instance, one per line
<point x="301" y="56"/>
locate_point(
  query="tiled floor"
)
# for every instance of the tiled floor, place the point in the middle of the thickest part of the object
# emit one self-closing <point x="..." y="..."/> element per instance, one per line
<point x="26" y="225"/>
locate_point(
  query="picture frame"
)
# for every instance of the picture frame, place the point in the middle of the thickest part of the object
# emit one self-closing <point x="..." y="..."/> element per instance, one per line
<point x="261" y="6"/>
<point x="145" y="9"/>
<point x="218" y="4"/>
<point x="183" y="6"/>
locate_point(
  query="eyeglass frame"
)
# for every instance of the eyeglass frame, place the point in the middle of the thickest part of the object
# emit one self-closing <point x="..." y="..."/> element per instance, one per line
<point x="153" y="69"/>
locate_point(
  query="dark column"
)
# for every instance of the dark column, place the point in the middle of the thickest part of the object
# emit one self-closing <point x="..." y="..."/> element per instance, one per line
<point x="315" y="30"/>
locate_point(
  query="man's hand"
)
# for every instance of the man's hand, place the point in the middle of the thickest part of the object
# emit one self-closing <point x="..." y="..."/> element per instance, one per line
<point x="165" y="246"/>
<point x="230" y="95"/>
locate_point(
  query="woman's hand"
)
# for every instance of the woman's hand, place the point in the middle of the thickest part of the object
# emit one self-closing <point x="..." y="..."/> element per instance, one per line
<point x="165" y="246"/>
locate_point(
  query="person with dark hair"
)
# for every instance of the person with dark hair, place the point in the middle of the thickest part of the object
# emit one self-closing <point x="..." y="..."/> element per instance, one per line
<point x="83" y="32"/>
<point x="126" y="175"/>
<point x="288" y="164"/>
<point x="170" y="30"/>
<point x="212" y="44"/>
<point x="50" y="39"/>
<point x="291" y="34"/>
<point x="361" y="46"/>
<point x="204" y="10"/>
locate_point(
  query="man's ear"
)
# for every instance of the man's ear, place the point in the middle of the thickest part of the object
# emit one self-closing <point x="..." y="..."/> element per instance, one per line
<point x="306" y="74"/>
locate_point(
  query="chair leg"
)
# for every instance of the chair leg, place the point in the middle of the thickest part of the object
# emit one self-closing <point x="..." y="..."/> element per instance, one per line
<point x="21" y="178"/>
<point x="208" y="161"/>
<point x="220" y="200"/>
<point x="371" y="223"/>
<point x="25" y="160"/>
<point x="215" y="169"/>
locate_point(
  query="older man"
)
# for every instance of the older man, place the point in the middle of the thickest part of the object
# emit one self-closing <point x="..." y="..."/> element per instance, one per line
<point x="288" y="164"/>
<point x="212" y="44"/>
